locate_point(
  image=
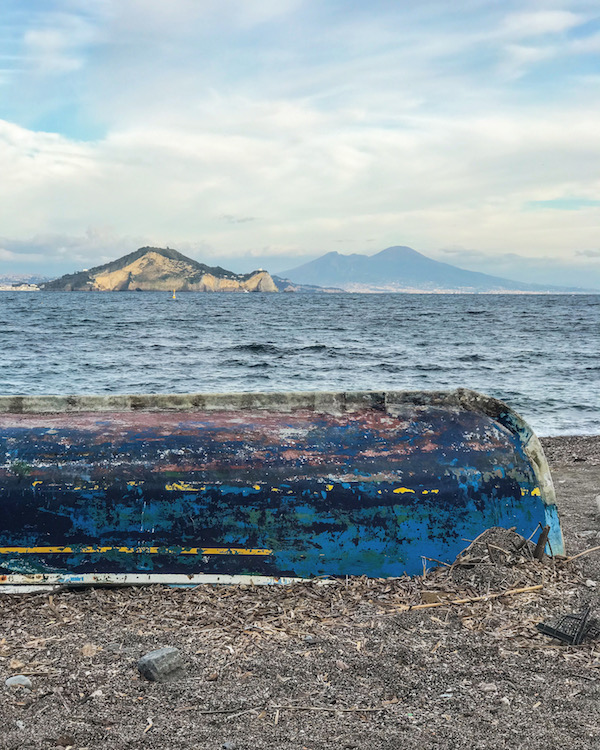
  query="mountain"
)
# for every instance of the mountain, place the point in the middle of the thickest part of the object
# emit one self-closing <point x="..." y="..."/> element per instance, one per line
<point x="402" y="269"/>
<point x="21" y="279"/>
<point x="159" y="269"/>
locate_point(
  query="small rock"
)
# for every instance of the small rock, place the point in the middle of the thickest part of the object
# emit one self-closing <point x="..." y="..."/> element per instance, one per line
<point x="488" y="687"/>
<point x="504" y="703"/>
<point x="229" y="745"/>
<point x="590" y="584"/>
<point x="18" y="680"/>
<point x="96" y="694"/>
<point x="162" y="665"/>
<point x="310" y="640"/>
<point x="588" y="534"/>
<point x="447" y="695"/>
<point x="66" y="740"/>
<point x="20" y="724"/>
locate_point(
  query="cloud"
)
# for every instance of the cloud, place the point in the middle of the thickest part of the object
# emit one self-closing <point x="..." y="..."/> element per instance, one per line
<point x="530" y="38"/>
<point x="520" y="58"/>
<point x="57" y="42"/>
<point x="18" y="258"/>
<point x="237" y="219"/>
<point x="312" y="180"/>
<point x="538" y="23"/>
<point x="7" y="255"/>
<point x="589" y="44"/>
<point x="50" y="51"/>
<point x="63" y="252"/>
<point x="398" y="123"/>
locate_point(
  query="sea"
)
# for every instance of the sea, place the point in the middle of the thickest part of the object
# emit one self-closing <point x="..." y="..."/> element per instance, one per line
<point x="538" y="353"/>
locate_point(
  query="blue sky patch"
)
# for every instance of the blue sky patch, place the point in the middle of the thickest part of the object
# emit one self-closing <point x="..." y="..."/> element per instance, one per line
<point x="562" y="204"/>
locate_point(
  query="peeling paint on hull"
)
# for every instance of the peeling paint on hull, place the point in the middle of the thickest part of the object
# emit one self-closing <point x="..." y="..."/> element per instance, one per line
<point x="270" y="486"/>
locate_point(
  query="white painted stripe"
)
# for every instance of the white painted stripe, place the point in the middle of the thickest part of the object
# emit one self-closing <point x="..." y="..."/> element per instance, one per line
<point x="177" y="579"/>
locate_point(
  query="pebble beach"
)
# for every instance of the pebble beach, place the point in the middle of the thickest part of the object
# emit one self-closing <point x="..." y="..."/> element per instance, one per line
<point x="310" y="667"/>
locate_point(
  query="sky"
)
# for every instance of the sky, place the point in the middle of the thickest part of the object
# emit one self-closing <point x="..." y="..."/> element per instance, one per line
<point x="268" y="132"/>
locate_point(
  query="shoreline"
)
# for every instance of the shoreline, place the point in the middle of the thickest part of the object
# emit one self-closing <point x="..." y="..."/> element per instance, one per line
<point x="291" y="667"/>
<point x="566" y="449"/>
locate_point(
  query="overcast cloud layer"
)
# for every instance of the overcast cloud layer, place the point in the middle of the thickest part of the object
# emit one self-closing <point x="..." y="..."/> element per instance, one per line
<point x="288" y="128"/>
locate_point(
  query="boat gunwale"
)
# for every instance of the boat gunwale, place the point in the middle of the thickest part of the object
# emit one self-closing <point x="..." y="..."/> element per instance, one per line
<point x="326" y="402"/>
<point x="329" y="402"/>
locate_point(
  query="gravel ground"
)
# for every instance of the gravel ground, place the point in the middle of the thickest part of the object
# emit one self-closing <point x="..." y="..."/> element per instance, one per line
<point x="310" y="667"/>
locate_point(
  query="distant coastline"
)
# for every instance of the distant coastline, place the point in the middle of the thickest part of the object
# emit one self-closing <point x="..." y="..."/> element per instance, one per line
<point x="325" y="290"/>
<point x="19" y="288"/>
<point x="397" y="269"/>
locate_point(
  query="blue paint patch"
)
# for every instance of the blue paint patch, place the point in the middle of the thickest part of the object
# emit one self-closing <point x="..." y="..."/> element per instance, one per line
<point x="205" y="483"/>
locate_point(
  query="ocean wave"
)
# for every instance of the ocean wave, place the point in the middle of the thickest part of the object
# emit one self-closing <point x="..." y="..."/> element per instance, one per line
<point x="256" y="348"/>
<point x="133" y="343"/>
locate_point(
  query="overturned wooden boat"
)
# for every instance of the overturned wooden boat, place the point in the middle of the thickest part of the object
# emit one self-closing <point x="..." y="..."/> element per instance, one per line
<point x="263" y="487"/>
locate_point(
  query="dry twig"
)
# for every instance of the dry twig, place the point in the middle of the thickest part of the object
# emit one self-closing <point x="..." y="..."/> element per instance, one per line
<point x="472" y="599"/>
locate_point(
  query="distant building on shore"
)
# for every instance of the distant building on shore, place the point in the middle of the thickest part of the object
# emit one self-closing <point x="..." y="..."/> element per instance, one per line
<point x="19" y="288"/>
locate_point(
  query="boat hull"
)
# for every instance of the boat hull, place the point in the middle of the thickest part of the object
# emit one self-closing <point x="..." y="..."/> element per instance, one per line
<point x="262" y="487"/>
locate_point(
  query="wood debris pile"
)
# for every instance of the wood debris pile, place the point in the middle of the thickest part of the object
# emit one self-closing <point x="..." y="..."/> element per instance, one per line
<point x="495" y="586"/>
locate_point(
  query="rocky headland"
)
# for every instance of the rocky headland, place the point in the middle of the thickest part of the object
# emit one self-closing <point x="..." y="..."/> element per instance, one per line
<point x="160" y="269"/>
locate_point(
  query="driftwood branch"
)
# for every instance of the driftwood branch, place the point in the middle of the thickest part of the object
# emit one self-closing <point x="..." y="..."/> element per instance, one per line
<point x="235" y="710"/>
<point x="333" y="709"/>
<point x="581" y="554"/>
<point x="469" y="600"/>
<point x="239" y="710"/>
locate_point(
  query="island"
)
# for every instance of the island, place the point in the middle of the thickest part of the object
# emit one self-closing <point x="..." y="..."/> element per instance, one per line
<point x="160" y="269"/>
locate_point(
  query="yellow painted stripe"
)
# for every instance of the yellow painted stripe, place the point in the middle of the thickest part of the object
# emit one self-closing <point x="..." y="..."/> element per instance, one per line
<point x="132" y="550"/>
<point x="181" y="486"/>
<point x="402" y="490"/>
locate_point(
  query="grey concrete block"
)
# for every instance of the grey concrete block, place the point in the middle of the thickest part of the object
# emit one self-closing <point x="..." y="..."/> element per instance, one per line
<point x="162" y="665"/>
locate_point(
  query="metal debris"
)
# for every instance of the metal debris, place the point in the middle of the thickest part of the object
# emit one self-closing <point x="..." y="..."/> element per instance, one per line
<point x="572" y="628"/>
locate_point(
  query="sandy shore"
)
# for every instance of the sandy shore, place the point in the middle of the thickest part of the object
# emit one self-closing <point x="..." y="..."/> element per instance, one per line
<point x="322" y="667"/>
